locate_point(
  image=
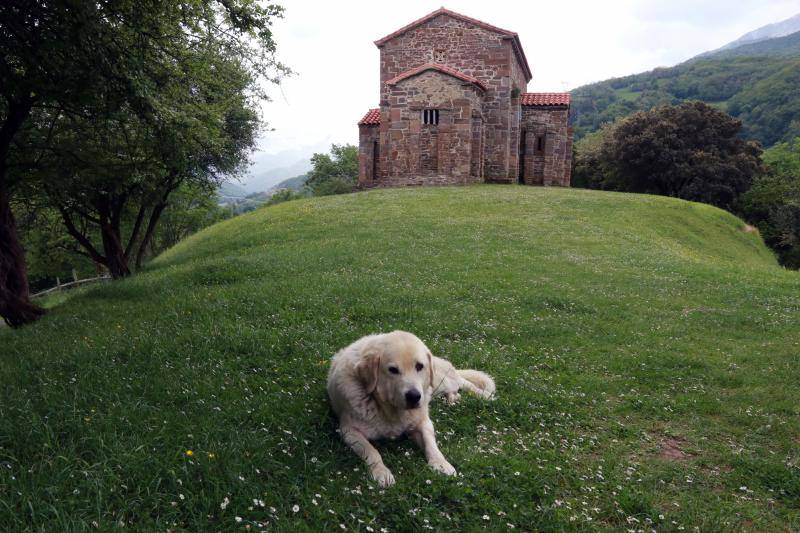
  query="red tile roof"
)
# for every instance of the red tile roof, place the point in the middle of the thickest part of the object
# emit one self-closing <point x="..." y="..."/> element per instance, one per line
<point x="372" y="118"/>
<point x="545" y="99"/>
<point x="441" y="68"/>
<point x="517" y="45"/>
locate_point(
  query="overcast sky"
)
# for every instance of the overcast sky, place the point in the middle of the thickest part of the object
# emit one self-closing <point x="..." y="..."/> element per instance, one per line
<point x="568" y="43"/>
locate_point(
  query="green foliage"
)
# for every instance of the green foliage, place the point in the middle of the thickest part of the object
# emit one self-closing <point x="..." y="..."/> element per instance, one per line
<point x="49" y="251"/>
<point x="589" y="170"/>
<point x="634" y="325"/>
<point x="334" y="173"/>
<point x="187" y="116"/>
<point x="773" y="203"/>
<point x="190" y="209"/>
<point x="285" y="195"/>
<point x="690" y="151"/>
<point x="761" y="91"/>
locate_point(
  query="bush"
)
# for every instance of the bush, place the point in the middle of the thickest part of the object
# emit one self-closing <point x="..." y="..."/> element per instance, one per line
<point x="690" y="151"/>
<point x="335" y="185"/>
<point x="334" y="173"/>
<point x="284" y="195"/>
<point x="773" y="203"/>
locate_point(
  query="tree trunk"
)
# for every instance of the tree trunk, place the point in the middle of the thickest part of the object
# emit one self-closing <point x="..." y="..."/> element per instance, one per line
<point x="116" y="262"/>
<point x="148" y="234"/>
<point x="172" y="183"/>
<point x="15" y="305"/>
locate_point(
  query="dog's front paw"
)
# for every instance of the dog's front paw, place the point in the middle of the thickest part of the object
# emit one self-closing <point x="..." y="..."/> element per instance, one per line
<point x="452" y="397"/>
<point x="382" y="475"/>
<point x="444" y="467"/>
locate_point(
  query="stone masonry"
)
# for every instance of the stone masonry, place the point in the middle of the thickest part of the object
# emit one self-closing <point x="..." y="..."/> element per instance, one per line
<point x="453" y="110"/>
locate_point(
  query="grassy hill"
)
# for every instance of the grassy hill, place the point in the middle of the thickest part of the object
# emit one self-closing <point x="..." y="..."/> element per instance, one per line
<point x="645" y="350"/>
<point x="754" y="82"/>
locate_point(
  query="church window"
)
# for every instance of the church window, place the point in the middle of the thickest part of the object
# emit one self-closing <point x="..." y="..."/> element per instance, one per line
<point x="540" y="144"/>
<point x="430" y="116"/>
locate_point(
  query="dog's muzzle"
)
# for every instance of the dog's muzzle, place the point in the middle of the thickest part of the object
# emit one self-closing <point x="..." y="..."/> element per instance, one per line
<point x="412" y="398"/>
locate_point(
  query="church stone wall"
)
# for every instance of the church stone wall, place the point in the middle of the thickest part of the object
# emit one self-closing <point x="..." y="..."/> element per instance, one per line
<point x="553" y="164"/>
<point x="475" y="51"/>
<point x="430" y="154"/>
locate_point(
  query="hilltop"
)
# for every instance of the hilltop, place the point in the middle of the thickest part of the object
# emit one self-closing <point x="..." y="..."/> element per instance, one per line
<point x="645" y="350"/>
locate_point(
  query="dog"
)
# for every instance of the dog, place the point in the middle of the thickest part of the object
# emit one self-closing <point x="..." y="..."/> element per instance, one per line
<point x="380" y="387"/>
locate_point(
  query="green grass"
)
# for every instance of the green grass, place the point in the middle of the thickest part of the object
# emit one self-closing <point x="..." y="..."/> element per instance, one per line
<point x="57" y="298"/>
<point x="618" y="327"/>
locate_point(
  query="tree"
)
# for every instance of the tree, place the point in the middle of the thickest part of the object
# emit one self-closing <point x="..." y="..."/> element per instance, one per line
<point x="334" y="173"/>
<point x="690" y="151"/>
<point x="773" y="202"/>
<point x="113" y="176"/>
<point x="588" y="166"/>
<point x="190" y="209"/>
<point x="49" y="250"/>
<point x="77" y="60"/>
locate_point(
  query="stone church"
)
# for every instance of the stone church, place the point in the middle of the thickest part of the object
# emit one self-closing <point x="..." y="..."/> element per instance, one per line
<point x="454" y="110"/>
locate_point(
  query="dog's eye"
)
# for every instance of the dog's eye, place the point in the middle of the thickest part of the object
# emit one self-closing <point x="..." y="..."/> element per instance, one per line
<point x="420" y="366"/>
<point x="394" y="370"/>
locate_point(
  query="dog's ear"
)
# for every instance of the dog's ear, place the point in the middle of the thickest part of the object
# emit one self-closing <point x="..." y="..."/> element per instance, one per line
<point x="367" y="369"/>
<point x="430" y="366"/>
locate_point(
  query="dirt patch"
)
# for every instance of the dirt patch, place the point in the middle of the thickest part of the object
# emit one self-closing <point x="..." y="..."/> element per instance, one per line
<point x="671" y="449"/>
<point x="750" y="229"/>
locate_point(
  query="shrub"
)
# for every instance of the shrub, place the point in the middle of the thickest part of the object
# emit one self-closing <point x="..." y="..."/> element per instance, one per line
<point x="334" y="173"/>
<point x="773" y="203"/>
<point x="284" y="195"/>
<point x="690" y="151"/>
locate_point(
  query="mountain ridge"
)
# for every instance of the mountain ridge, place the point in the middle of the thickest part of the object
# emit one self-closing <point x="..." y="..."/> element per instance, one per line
<point x="770" y="31"/>
<point x="755" y="81"/>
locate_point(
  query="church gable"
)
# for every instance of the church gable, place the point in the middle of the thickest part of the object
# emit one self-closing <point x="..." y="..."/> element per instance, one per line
<point x="443" y="69"/>
<point x="445" y="13"/>
<point x="444" y="32"/>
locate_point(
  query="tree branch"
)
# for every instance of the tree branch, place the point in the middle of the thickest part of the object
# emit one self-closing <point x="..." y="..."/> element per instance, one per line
<point x="135" y="232"/>
<point x="80" y="237"/>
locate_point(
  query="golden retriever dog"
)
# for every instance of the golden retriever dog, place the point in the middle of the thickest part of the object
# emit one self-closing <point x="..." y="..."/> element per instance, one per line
<point x="380" y="387"/>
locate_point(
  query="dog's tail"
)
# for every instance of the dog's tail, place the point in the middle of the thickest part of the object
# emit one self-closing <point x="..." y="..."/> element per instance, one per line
<point x="483" y="382"/>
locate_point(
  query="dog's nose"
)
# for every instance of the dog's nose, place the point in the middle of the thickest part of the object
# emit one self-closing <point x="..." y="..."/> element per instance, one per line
<point x="412" y="397"/>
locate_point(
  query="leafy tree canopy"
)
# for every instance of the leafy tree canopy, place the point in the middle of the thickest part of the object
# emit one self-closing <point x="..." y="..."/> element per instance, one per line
<point x="690" y="151"/>
<point x="334" y="173"/>
<point x="121" y="99"/>
<point x="773" y="203"/>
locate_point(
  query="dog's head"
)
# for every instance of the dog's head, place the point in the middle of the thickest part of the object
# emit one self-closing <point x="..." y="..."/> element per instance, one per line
<point x="397" y="369"/>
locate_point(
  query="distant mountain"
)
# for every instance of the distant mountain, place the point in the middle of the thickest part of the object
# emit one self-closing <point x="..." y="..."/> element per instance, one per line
<point x="785" y="46"/>
<point x="230" y="191"/>
<point x="296" y="183"/>
<point x="268" y="169"/>
<point x="265" y="180"/>
<point x="770" y="31"/>
<point x="756" y="81"/>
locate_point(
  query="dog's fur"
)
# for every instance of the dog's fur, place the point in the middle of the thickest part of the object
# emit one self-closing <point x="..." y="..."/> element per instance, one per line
<point x="380" y="387"/>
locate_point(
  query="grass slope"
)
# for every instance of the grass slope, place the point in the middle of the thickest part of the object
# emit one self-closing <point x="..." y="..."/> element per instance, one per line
<point x="645" y="350"/>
